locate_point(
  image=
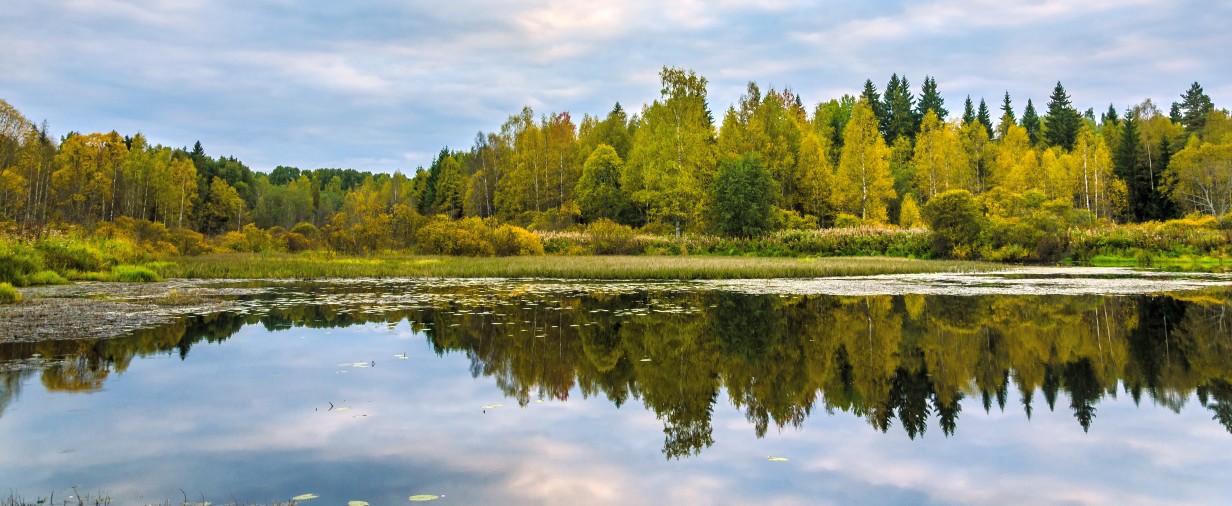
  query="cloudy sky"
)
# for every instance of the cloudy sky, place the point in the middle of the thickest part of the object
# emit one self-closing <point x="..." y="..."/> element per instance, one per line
<point x="382" y="85"/>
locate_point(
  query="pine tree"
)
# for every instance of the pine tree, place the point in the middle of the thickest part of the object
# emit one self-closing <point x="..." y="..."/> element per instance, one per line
<point x="984" y="117"/>
<point x="1193" y="108"/>
<point x="1111" y="117"/>
<point x="930" y="99"/>
<point x="968" y="111"/>
<point x="1031" y="123"/>
<point x="1062" y="121"/>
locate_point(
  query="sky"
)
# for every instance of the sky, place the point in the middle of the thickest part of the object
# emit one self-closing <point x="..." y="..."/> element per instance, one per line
<point x="383" y="85"/>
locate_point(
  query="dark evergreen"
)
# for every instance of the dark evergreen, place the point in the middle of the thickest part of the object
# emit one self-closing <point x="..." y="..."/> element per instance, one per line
<point x="985" y="117"/>
<point x="1007" y="116"/>
<point x="1062" y="121"/>
<point x="900" y="118"/>
<point x="1031" y="122"/>
<point x="968" y="112"/>
<point x="930" y="99"/>
<point x="873" y="99"/>
<point x="1194" y="107"/>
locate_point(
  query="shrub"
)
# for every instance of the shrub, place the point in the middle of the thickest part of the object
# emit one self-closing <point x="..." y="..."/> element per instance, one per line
<point x="8" y="294"/>
<point x="909" y="213"/>
<point x="610" y="238"/>
<point x="466" y="237"/>
<point x="188" y="242"/>
<point x="249" y="239"/>
<point x="844" y="220"/>
<point x="954" y="219"/>
<point x="135" y="274"/>
<point x="509" y="240"/>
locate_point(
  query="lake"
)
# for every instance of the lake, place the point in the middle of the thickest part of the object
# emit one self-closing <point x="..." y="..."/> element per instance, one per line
<point x="887" y="390"/>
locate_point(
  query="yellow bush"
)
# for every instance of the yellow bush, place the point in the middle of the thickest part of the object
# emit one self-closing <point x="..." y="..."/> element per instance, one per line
<point x="509" y="240"/>
<point x="467" y="237"/>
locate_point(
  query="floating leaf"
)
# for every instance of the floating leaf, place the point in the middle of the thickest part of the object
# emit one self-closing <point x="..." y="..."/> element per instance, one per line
<point x="491" y="406"/>
<point x="342" y="408"/>
<point x="424" y="497"/>
<point x="645" y="360"/>
<point x="777" y="459"/>
<point x="304" y="497"/>
<point x="357" y="503"/>
<point x="401" y="357"/>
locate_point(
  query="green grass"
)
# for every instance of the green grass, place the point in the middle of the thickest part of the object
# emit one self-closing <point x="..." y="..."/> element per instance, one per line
<point x="1201" y="263"/>
<point x="135" y="274"/>
<point x="313" y="266"/>
<point x="8" y="294"/>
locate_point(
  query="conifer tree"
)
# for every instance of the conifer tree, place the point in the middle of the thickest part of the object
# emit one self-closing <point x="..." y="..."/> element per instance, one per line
<point x="984" y="117"/>
<point x="1031" y="122"/>
<point x="1007" y="117"/>
<point x="930" y="99"/>
<point x="968" y="111"/>
<point x="1192" y="110"/>
<point x="1062" y="121"/>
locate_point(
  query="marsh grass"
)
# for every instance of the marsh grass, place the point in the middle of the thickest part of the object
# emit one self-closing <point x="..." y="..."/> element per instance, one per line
<point x="308" y="266"/>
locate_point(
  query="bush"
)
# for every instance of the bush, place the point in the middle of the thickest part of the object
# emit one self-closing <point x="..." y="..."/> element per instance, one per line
<point x="135" y="274"/>
<point x="954" y="219"/>
<point x="610" y="238"/>
<point x="509" y="240"/>
<point x="466" y="237"/>
<point x="8" y="294"/>
<point x="844" y="220"/>
<point x="249" y="239"/>
<point x="188" y="242"/>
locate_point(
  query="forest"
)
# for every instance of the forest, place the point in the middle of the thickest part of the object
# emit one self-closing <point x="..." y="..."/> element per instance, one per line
<point x="1044" y="184"/>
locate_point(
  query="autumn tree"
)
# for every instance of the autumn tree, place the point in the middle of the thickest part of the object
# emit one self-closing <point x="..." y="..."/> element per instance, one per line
<point x="1203" y="177"/>
<point x="940" y="162"/>
<point x="863" y="185"/>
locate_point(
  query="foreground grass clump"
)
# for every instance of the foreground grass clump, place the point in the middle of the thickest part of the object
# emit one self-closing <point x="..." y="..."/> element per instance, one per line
<point x="8" y="294"/>
<point x="313" y="266"/>
<point x="135" y="274"/>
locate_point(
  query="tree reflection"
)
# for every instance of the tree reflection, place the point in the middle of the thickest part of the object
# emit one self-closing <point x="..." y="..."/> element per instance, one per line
<point x="893" y="360"/>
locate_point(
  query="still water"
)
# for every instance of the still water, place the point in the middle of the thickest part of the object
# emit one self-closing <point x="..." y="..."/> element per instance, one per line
<point x="542" y="393"/>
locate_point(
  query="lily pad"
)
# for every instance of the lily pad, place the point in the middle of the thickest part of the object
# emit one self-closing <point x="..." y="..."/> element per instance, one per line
<point x="357" y="503"/>
<point x="777" y="459"/>
<point x="491" y="406"/>
<point x="304" y="497"/>
<point x="424" y="497"/>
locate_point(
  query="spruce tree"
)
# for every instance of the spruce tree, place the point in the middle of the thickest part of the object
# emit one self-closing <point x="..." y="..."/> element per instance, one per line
<point x="930" y="99"/>
<point x="873" y="99"/>
<point x="985" y="117"/>
<point x="1031" y="123"/>
<point x="1062" y="121"/>
<point x="900" y="114"/>
<point x="968" y="112"/>
<point x="1007" y="116"/>
<point x="1111" y="117"/>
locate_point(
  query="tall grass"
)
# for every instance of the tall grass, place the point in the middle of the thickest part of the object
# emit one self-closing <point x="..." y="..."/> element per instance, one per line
<point x="313" y="266"/>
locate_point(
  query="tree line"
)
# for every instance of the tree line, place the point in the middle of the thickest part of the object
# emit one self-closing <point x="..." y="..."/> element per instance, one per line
<point x="771" y="163"/>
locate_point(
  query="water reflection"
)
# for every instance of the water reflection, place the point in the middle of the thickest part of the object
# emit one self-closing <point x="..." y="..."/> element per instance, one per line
<point x="902" y="362"/>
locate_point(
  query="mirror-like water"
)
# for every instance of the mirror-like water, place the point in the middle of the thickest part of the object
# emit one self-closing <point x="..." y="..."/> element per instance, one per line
<point x="619" y="393"/>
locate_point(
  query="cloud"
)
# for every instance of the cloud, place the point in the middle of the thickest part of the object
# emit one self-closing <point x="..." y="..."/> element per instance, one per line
<point x="365" y="82"/>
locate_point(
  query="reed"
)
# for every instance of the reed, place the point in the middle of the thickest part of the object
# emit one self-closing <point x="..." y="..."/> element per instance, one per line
<point x="316" y="266"/>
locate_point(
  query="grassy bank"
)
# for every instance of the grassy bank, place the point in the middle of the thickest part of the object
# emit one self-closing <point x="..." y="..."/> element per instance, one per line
<point x="312" y="266"/>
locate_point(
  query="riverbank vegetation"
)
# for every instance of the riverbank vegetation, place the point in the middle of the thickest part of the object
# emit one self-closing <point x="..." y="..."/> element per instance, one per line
<point x="889" y="174"/>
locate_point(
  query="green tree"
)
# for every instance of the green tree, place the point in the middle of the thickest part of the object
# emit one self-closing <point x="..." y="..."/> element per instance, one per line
<point x="598" y="190"/>
<point x="968" y="116"/>
<point x="673" y="155"/>
<point x="900" y="120"/>
<point x="954" y="218"/>
<point x="1195" y="105"/>
<point x="742" y="196"/>
<point x="863" y="185"/>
